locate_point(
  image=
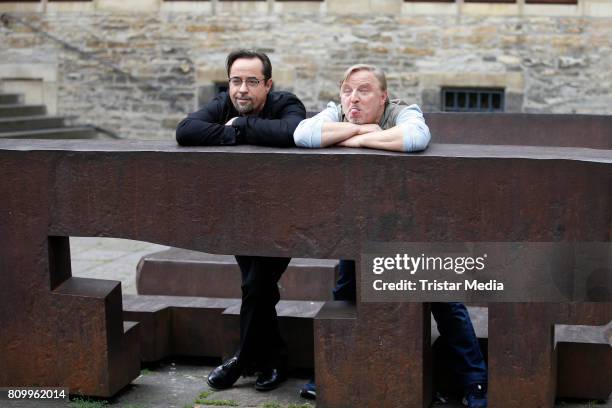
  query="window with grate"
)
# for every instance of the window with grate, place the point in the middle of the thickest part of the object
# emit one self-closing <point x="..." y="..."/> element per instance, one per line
<point x="472" y="100"/>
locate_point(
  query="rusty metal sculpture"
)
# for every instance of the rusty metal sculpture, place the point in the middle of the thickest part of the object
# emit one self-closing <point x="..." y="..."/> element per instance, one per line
<point x="61" y="330"/>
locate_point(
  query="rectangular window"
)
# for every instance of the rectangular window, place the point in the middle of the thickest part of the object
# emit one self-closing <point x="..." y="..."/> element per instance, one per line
<point x="472" y="100"/>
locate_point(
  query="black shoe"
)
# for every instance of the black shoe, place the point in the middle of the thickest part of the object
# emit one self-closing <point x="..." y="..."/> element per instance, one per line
<point x="270" y="379"/>
<point x="225" y="375"/>
<point x="309" y="390"/>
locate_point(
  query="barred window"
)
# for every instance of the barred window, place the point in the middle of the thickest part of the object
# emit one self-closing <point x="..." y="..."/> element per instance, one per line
<point x="472" y="100"/>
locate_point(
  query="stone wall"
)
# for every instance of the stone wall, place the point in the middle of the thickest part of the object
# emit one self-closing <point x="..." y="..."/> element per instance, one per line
<point x="139" y="74"/>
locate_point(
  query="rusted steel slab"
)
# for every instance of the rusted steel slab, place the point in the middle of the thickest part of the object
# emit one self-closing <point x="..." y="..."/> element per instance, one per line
<point x="189" y="326"/>
<point x="172" y="325"/>
<point x="591" y="131"/>
<point x="275" y="202"/>
<point x="537" y="193"/>
<point x="583" y="355"/>
<point x="179" y="272"/>
<point x="358" y="364"/>
<point x="523" y="367"/>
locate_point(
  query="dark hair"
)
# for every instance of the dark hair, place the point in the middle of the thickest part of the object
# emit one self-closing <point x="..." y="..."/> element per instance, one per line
<point x="249" y="54"/>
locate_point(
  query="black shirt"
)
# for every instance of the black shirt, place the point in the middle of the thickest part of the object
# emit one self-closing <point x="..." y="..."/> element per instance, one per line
<point x="273" y="126"/>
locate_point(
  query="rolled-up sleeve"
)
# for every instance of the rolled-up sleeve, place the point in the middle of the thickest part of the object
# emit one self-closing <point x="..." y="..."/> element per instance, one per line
<point x="416" y="134"/>
<point x="308" y="132"/>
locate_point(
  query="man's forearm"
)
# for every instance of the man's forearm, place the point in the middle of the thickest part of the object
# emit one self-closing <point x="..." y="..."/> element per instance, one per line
<point x="335" y="132"/>
<point x="195" y="132"/>
<point x="390" y="139"/>
<point x="267" y="132"/>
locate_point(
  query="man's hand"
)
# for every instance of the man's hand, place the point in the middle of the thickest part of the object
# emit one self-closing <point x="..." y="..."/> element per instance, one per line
<point x="229" y="122"/>
<point x="354" y="141"/>
<point x="368" y="128"/>
<point x="358" y="139"/>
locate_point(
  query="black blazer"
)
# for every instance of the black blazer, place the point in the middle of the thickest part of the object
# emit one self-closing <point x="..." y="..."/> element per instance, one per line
<point x="274" y="126"/>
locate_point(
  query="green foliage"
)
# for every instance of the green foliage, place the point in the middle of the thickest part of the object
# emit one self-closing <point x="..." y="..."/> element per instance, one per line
<point x="205" y="394"/>
<point x="85" y="403"/>
<point x="220" y="403"/>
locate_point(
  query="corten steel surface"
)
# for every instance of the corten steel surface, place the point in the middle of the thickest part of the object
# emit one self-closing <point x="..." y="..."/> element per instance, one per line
<point x="591" y="131"/>
<point x="584" y="351"/>
<point x="173" y="325"/>
<point x="318" y="204"/>
<point x="187" y="326"/>
<point x="178" y="272"/>
<point x="508" y="355"/>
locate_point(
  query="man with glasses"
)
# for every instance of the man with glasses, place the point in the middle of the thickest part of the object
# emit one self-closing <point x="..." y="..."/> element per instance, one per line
<point x="250" y="113"/>
<point x="366" y="117"/>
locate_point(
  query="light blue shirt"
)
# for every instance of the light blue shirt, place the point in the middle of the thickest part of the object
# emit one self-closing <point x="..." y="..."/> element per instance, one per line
<point x="416" y="134"/>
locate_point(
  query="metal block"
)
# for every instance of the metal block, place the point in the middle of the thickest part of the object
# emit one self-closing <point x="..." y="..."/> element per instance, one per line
<point x="175" y="325"/>
<point x="245" y="200"/>
<point x="179" y="272"/>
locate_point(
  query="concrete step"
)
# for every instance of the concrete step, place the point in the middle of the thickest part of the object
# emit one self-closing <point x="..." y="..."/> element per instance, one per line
<point x="31" y="123"/>
<point x="57" y="133"/>
<point x="13" y="110"/>
<point x="10" y="98"/>
<point x="179" y="272"/>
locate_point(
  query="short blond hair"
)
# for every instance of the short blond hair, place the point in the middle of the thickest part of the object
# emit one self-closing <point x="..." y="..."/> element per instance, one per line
<point x="378" y="73"/>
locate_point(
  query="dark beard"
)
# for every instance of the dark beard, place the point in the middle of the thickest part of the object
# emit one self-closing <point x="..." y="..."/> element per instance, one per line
<point x="244" y="109"/>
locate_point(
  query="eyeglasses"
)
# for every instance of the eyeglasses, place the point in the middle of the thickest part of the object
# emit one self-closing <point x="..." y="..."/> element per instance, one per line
<point x="250" y="82"/>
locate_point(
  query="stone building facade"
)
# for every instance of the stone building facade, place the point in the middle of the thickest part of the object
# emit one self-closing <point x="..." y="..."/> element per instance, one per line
<point x="137" y="67"/>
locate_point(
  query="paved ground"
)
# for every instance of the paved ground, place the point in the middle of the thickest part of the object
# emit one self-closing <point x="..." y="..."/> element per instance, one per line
<point x="109" y="258"/>
<point x="178" y="383"/>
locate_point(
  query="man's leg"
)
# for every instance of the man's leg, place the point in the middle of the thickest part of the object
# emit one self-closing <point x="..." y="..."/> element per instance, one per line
<point x="346" y="285"/>
<point x="456" y="330"/>
<point x="260" y="339"/>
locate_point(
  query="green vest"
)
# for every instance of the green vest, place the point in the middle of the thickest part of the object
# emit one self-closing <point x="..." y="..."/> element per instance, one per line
<point x="389" y="116"/>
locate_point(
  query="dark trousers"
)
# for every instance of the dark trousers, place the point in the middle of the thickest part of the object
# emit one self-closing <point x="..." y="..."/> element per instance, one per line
<point x="261" y="343"/>
<point x="454" y="325"/>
